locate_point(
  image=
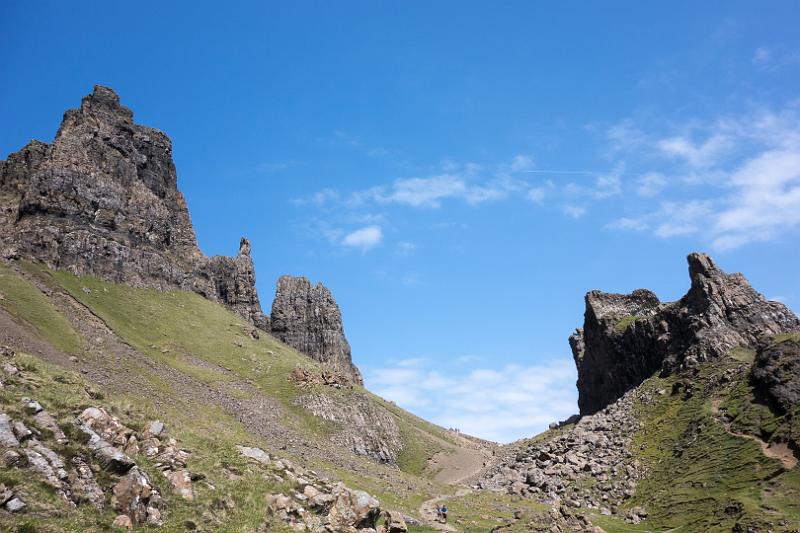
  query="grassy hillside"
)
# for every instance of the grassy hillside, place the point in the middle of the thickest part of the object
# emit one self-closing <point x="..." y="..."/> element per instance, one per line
<point x="24" y="301"/>
<point x="179" y="358"/>
<point x="701" y="441"/>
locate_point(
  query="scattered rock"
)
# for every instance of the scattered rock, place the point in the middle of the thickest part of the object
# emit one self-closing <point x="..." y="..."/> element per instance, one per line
<point x="31" y="407"/>
<point x="122" y="522"/>
<point x="84" y="486"/>
<point x="181" y="482"/>
<point x="395" y="523"/>
<point x="590" y="465"/>
<point x="133" y="495"/>
<point x="255" y="453"/>
<point x="15" y="505"/>
<point x="7" y="437"/>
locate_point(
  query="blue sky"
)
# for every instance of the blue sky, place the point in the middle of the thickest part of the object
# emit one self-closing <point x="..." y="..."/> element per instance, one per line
<point x="458" y="173"/>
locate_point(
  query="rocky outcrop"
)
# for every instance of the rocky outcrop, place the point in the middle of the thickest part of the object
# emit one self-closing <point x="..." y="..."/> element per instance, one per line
<point x="776" y="372"/>
<point x="627" y="338"/>
<point x="366" y="428"/>
<point x="103" y="200"/>
<point x="307" y="318"/>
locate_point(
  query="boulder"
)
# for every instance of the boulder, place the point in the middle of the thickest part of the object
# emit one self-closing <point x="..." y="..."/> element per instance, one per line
<point x="255" y="453"/>
<point x="8" y="439"/>
<point x="181" y="482"/>
<point x="395" y="522"/>
<point x="109" y="456"/>
<point x="15" y="505"/>
<point x="133" y="495"/>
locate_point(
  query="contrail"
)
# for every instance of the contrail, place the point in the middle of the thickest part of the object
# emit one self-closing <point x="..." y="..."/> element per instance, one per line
<point x="559" y="172"/>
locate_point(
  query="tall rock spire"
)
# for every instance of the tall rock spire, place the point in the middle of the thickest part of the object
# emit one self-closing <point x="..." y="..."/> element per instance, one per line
<point x="307" y="317"/>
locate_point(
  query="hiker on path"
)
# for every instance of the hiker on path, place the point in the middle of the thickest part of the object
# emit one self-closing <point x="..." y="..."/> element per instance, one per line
<point x="438" y="513"/>
<point x="444" y="514"/>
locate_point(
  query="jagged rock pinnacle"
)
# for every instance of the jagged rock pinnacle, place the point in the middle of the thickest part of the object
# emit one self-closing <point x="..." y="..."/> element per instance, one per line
<point x="307" y="317"/>
<point x="627" y="338"/>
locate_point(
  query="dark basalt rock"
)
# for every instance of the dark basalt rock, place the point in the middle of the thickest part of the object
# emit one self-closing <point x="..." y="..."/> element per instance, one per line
<point x="102" y="200"/>
<point x="627" y="338"/>
<point x="306" y="317"/>
<point x="776" y="372"/>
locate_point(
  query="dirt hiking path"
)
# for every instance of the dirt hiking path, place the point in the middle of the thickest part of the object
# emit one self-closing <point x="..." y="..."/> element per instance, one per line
<point x="779" y="450"/>
<point x="427" y="510"/>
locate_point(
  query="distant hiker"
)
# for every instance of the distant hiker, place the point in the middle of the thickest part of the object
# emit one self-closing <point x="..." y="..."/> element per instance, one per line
<point x="438" y="513"/>
<point x="444" y="514"/>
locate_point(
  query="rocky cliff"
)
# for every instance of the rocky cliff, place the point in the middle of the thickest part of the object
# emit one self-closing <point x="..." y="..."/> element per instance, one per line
<point x="103" y="200"/>
<point x="627" y="338"/>
<point x="307" y="318"/>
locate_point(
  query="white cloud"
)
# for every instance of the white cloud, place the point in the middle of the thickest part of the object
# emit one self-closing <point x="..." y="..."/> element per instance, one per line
<point x="521" y="163"/>
<point x="697" y="155"/>
<point x="744" y="184"/>
<point x="682" y="218"/>
<point x="536" y="194"/>
<point x="609" y="184"/>
<point x="625" y="223"/>
<point x="364" y="238"/>
<point x="469" y="182"/>
<point x="502" y="404"/>
<point x="574" y="211"/>
<point x="406" y="248"/>
<point x="650" y="184"/>
<point x="766" y="201"/>
<point x="770" y="60"/>
<point x="761" y="55"/>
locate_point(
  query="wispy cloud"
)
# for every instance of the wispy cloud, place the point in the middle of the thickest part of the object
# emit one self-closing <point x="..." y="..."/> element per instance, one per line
<point x="277" y="166"/>
<point x="501" y="404"/>
<point x="650" y="184"/>
<point x="753" y="188"/>
<point x="406" y="248"/>
<point x="356" y="143"/>
<point x="363" y="238"/>
<point x="574" y="211"/>
<point x="470" y="183"/>
<point x="771" y="60"/>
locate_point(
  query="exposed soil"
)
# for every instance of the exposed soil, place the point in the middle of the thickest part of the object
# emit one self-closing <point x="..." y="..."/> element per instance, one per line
<point x="774" y="450"/>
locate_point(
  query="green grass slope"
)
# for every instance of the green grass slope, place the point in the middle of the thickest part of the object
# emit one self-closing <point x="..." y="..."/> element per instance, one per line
<point x="20" y="298"/>
<point x="706" y="467"/>
<point x="203" y="340"/>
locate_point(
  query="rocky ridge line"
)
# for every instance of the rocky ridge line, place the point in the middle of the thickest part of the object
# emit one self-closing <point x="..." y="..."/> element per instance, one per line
<point x="627" y="338"/>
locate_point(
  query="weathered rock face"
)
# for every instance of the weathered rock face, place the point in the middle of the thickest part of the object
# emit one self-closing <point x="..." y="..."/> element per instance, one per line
<point x="102" y="200"/>
<point x="367" y="429"/>
<point x="627" y="338"/>
<point x="776" y="372"/>
<point x="307" y="318"/>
